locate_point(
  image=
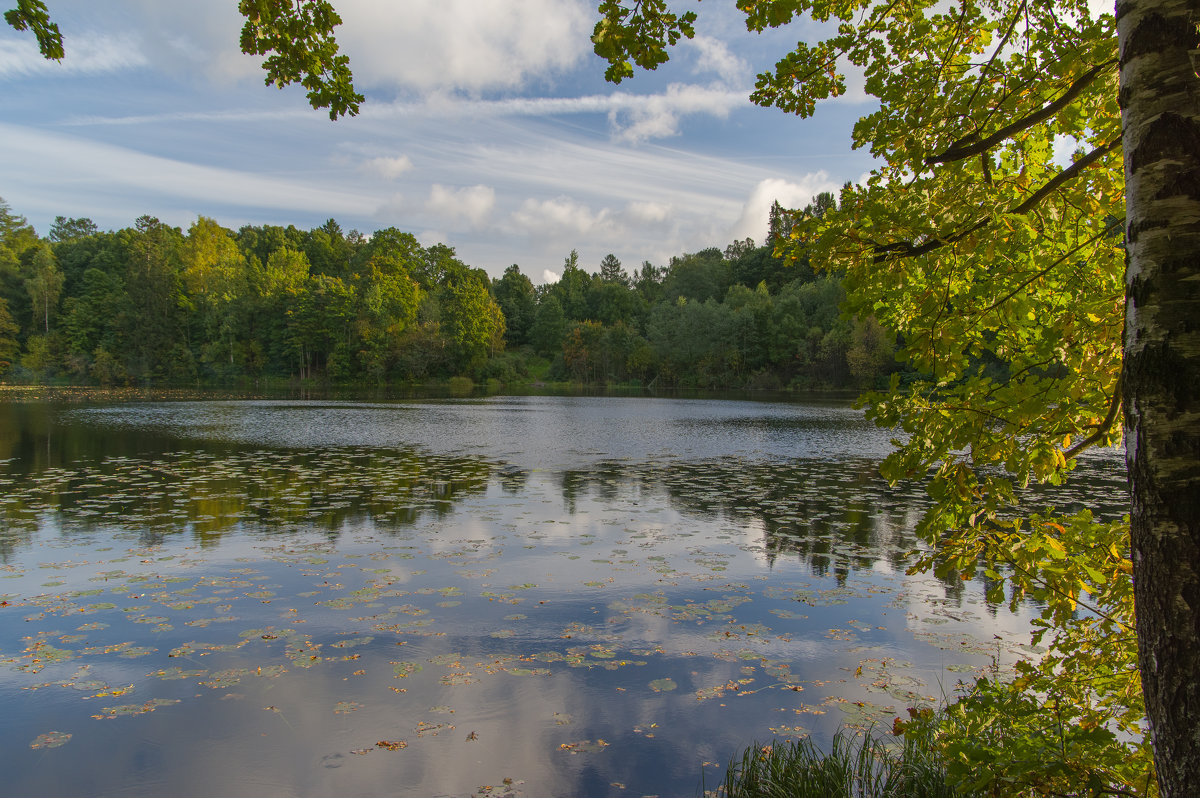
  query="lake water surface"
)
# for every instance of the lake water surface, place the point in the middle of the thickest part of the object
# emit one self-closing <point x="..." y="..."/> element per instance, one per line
<point x="538" y="596"/>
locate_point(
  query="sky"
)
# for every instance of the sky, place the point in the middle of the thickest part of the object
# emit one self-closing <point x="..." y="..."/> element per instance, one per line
<point x="487" y="125"/>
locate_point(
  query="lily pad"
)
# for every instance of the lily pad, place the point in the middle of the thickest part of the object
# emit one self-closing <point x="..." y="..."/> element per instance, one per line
<point x="54" y="739"/>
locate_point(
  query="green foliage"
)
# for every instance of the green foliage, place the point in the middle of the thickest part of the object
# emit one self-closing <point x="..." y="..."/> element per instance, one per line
<point x="295" y="35"/>
<point x="151" y="303"/>
<point x="471" y="320"/>
<point x="8" y="338"/>
<point x="869" y="766"/>
<point x="549" y="326"/>
<point x="517" y="299"/>
<point x="996" y="258"/>
<point x="639" y="35"/>
<point x="297" y="38"/>
<point x="65" y="229"/>
<point x="44" y="284"/>
<point x="32" y="15"/>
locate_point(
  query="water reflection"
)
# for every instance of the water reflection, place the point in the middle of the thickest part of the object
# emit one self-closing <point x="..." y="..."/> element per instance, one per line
<point x="372" y="610"/>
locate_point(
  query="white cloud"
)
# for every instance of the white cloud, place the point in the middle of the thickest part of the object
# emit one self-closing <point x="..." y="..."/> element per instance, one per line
<point x="387" y="167"/>
<point x="715" y="56"/>
<point x="753" y="221"/>
<point x="549" y="277"/>
<point x="462" y="44"/>
<point x="632" y="117"/>
<point x="648" y="211"/>
<point x="636" y="118"/>
<point x="473" y="203"/>
<point x="421" y="45"/>
<point x="96" y="172"/>
<point x="560" y="215"/>
<point x="85" y="55"/>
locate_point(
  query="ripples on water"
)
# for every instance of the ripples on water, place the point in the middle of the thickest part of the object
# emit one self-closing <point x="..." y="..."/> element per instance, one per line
<point x="583" y="596"/>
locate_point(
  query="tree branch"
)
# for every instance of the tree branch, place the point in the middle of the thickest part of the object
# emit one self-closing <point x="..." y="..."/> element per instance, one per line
<point x="1067" y="174"/>
<point x="1105" y="425"/>
<point x="905" y="249"/>
<point x="972" y="145"/>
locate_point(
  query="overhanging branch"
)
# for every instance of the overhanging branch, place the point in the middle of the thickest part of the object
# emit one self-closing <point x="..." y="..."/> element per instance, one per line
<point x="906" y="249"/>
<point x="972" y="145"/>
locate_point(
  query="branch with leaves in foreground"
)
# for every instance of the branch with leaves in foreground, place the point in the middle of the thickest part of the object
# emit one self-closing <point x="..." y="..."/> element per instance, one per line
<point x="296" y="36"/>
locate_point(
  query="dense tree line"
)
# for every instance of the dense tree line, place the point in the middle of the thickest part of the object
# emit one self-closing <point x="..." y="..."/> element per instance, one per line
<point x="153" y="303"/>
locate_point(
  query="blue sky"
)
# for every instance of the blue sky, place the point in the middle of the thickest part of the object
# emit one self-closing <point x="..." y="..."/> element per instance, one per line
<point x="488" y="126"/>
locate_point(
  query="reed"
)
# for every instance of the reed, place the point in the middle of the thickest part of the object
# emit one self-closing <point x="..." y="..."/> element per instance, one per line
<point x="857" y="766"/>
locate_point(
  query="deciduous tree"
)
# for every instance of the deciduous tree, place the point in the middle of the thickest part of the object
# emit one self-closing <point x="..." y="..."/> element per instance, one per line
<point x="990" y="238"/>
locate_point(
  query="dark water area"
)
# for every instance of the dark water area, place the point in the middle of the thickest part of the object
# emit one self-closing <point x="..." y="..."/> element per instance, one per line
<point x="533" y="596"/>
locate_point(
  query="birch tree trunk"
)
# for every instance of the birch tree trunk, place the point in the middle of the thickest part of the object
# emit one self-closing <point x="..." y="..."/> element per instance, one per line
<point x="1160" y="101"/>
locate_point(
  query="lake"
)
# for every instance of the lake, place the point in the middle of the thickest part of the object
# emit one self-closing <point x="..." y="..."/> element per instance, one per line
<point x="539" y="596"/>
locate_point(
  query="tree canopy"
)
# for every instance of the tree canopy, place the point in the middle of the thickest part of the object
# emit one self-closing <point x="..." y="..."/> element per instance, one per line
<point x="989" y="238"/>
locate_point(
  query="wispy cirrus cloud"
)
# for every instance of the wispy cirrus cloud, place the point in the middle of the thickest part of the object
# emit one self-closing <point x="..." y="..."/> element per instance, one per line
<point x="633" y="118"/>
<point x="86" y="55"/>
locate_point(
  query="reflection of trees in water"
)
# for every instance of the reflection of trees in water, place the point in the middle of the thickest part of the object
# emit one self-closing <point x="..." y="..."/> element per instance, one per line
<point x="233" y="489"/>
<point x="836" y="516"/>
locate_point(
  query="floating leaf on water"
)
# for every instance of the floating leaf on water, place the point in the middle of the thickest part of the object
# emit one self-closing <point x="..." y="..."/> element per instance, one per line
<point x="392" y="745"/>
<point x="789" y="731"/>
<point x="405" y="668"/>
<point x="346" y="707"/>
<point x="226" y="678"/>
<point x="352" y="642"/>
<point x="584" y="747"/>
<point x="260" y="633"/>
<point x="135" y="709"/>
<point x="136" y="651"/>
<point x="426" y="729"/>
<point x="52" y="739"/>
<point x="663" y="685"/>
<point x="114" y="691"/>
<point x="502" y="634"/>
<point x="527" y="671"/>
<point x="789" y="614"/>
<point x="459" y="678"/>
<point x="177" y="673"/>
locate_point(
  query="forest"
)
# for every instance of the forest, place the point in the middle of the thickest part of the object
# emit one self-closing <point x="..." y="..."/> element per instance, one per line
<point x="154" y="304"/>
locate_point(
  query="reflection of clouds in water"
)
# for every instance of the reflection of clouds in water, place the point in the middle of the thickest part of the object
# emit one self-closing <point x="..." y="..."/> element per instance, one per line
<point x="945" y="621"/>
<point x="530" y="432"/>
<point x="629" y="555"/>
